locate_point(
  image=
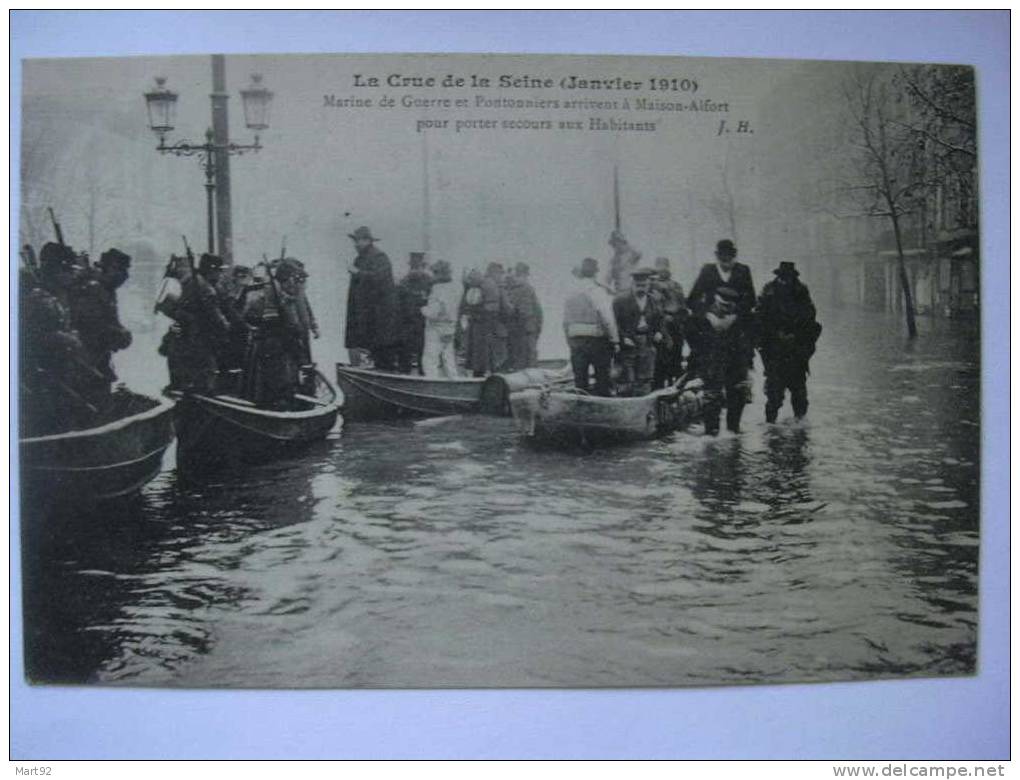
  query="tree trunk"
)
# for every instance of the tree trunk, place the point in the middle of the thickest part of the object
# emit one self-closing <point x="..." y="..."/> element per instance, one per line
<point x="908" y="298"/>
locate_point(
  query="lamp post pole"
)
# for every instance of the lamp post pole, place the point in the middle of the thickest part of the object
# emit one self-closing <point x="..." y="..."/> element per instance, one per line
<point x="209" y="164"/>
<point x="221" y="133"/>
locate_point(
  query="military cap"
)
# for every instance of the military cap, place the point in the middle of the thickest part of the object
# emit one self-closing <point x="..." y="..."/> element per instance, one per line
<point x="522" y="269"/>
<point x="288" y="268"/>
<point x="416" y="259"/>
<point x="441" y="270"/>
<point x="616" y="237"/>
<point x="208" y="262"/>
<point x="725" y="247"/>
<point x="493" y="267"/>
<point x="114" y="258"/>
<point x="362" y="232"/>
<point x="643" y="272"/>
<point x="662" y="263"/>
<point x="56" y="254"/>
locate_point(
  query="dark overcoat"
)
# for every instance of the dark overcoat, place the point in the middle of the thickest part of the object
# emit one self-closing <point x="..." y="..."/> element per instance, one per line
<point x="786" y="326"/>
<point x="373" y="308"/>
<point x="709" y="280"/>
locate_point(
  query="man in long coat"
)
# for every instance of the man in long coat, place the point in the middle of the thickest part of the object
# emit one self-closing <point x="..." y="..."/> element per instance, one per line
<point x="373" y="310"/>
<point x="726" y="272"/>
<point x="787" y="332"/>
<point x="525" y="322"/>
<point x="413" y="293"/>
<point x="486" y="308"/>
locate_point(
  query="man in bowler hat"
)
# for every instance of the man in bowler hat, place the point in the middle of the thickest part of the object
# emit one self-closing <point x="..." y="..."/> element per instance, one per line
<point x="787" y="332"/>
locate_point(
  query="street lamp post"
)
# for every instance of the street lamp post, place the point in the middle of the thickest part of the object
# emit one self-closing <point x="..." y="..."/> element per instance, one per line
<point x="161" y="104"/>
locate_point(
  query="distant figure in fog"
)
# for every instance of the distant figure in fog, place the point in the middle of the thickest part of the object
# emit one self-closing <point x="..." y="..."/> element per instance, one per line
<point x="787" y="333"/>
<point x="624" y="260"/>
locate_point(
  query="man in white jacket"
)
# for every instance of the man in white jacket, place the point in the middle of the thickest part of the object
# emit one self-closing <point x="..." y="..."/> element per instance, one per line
<point x="590" y="327"/>
<point x="438" y="358"/>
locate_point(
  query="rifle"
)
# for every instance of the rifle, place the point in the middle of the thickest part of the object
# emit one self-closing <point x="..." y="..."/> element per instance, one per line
<point x="56" y="227"/>
<point x="82" y="256"/>
<point x="283" y="248"/>
<point x="190" y="255"/>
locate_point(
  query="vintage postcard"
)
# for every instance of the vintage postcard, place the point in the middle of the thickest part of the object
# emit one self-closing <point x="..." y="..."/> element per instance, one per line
<point x="431" y="371"/>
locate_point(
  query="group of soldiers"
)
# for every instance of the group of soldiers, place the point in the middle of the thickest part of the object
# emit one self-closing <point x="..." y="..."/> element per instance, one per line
<point x="639" y="320"/>
<point x="429" y="325"/>
<point x="70" y="329"/>
<point x="240" y="331"/>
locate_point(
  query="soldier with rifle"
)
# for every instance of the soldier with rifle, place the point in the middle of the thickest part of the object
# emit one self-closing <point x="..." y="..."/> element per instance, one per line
<point x="279" y="342"/>
<point x="51" y="362"/>
<point x="95" y="317"/>
<point x="200" y="328"/>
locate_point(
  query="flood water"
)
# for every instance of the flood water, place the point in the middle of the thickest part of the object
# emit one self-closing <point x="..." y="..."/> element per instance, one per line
<point x="450" y="554"/>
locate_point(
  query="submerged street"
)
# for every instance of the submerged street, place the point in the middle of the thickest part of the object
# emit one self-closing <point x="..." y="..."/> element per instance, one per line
<point x="448" y="553"/>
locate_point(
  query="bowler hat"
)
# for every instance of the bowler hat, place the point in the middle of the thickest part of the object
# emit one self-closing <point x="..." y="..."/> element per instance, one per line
<point x="114" y="258"/>
<point x="786" y="268"/>
<point x="616" y="237"/>
<point x="725" y="247"/>
<point x="589" y="266"/>
<point x="362" y="232"/>
<point x="662" y="263"/>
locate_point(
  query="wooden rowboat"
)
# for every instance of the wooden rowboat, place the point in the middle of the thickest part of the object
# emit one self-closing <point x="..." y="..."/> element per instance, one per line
<point x="570" y="417"/>
<point x="216" y="430"/>
<point x="374" y="395"/>
<point x="108" y="461"/>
